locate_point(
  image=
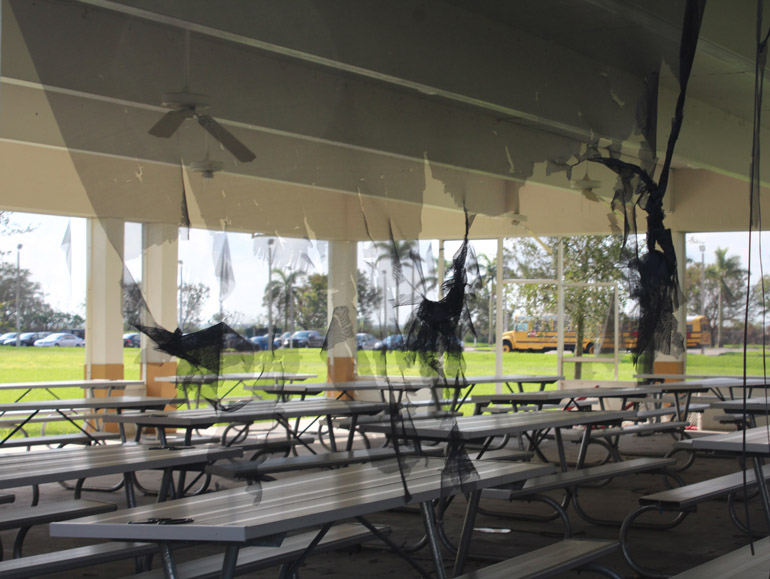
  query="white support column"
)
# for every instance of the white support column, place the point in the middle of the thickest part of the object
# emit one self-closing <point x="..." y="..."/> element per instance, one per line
<point x="160" y="252"/>
<point x="342" y="303"/>
<point x="667" y="364"/>
<point x="104" y="299"/>
<point x="499" y="314"/>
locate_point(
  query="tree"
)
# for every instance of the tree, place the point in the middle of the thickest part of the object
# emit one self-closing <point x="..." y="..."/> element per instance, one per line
<point x="728" y="275"/>
<point x="481" y="293"/>
<point x="282" y="294"/>
<point x="587" y="259"/>
<point x="312" y="301"/>
<point x="401" y="254"/>
<point x="369" y="299"/>
<point x="193" y="296"/>
<point x="34" y="312"/>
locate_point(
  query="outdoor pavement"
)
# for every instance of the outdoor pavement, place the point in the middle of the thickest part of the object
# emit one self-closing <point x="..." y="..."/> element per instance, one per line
<point x="704" y="535"/>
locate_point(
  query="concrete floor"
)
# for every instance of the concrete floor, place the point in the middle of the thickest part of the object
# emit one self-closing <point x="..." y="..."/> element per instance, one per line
<point x="704" y="535"/>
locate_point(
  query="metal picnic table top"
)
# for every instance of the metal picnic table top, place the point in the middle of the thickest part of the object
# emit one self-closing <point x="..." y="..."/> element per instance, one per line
<point x="544" y="396"/>
<point x="270" y="509"/>
<point x="200" y="380"/>
<point x="755" y="405"/>
<point x="487" y="426"/>
<point x="87" y="384"/>
<point x="61" y="464"/>
<point x="106" y="402"/>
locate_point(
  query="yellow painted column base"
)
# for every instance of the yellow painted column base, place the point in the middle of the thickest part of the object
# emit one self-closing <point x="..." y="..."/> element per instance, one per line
<point x="105" y="372"/>
<point x="341" y="370"/>
<point x="668" y="367"/>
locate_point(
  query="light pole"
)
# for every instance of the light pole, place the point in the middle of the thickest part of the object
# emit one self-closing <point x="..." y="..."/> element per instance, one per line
<point x="702" y="288"/>
<point x="270" y="243"/>
<point x="18" y="297"/>
<point x="702" y="280"/>
<point x="181" y="293"/>
<point x="384" y="304"/>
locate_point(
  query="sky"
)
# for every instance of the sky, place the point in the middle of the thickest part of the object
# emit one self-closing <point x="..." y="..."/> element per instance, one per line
<point x="43" y="255"/>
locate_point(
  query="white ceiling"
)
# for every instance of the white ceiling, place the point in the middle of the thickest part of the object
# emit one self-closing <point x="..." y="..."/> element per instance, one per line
<point x="363" y="115"/>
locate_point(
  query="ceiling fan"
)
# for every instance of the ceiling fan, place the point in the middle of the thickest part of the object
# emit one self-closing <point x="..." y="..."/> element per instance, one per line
<point x="187" y="105"/>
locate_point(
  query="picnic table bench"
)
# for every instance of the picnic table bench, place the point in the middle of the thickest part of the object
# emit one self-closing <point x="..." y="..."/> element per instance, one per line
<point x="75" y="558"/>
<point x="570" y="481"/>
<point x="24" y="518"/>
<point x="738" y="564"/>
<point x="551" y="561"/>
<point x="251" y="559"/>
<point x="251" y="470"/>
<point x="684" y="500"/>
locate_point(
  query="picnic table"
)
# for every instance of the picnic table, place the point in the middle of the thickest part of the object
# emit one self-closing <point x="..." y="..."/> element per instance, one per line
<point x="753" y="443"/>
<point x="543" y="397"/>
<point x="533" y="425"/>
<point x="246" y="413"/>
<point x="62" y="464"/>
<point x="63" y="408"/>
<point x="712" y="383"/>
<point x="264" y="513"/>
<point x="200" y="380"/>
<point x="88" y="385"/>
<point x="468" y="383"/>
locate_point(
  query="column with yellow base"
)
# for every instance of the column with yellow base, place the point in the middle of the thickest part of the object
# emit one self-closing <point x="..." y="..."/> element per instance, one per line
<point x="343" y="322"/>
<point x="104" y="301"/>
<point x="159" y="288"/>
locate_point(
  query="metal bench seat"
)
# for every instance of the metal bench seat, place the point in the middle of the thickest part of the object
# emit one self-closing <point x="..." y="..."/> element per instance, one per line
<point x="569" y="481"/>
<point x="252" y="559"/>
<point x="60" y="439"/>
<point x="551" y="561"/>
<point x="684" y="500"/>
<point x="252" y="470"/>
<point x="738" y="564"/>
<point x="24" y="518"/>
<point x="75" y="558"/>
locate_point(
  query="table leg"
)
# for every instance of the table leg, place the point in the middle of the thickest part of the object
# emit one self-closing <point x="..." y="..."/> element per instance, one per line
<point x="465" y="537"/>
<point x="429" y="519"/>
<point x="762" y="485"/>
<point x="230" y="562"/>
<point x="169" y="567"/>
<point x="128" y="479"/>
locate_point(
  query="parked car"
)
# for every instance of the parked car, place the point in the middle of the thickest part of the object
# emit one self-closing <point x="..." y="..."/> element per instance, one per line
<point x="261" y="342"/>
<point x="278" y="341"/>
<point x="392" y="342"/>
<point x="60" y="339"/>
<point x="365" y="341"/>
<point x="8" y="337"/>
<point x="26" y="339"/>
<point x="237" y="342"/>
<point x="131" y="340"/>
<point x="304" y="339"/>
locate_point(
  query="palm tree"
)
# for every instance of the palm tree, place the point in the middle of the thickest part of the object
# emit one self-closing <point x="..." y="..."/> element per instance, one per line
<point x="401" y="254"/>
<point x="725" y="271"/>
<point x="486" y="282"/>
<point x="281" y="293"/>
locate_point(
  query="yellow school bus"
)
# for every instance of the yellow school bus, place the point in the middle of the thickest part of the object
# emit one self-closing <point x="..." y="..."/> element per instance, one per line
<point x="698" y="332"/>
<point x="540" y="334"/>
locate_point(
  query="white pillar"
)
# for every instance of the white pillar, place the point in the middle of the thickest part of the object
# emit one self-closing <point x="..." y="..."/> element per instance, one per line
<point x="159" y="288"/>
<point x="499" y="313"/>
<point x="104" y="299"/>
<point x="342" y="304"/>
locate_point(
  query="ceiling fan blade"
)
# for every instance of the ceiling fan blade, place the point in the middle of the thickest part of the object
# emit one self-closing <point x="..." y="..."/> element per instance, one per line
<point x="228" y="140"/>
<point x="169" y="123"/>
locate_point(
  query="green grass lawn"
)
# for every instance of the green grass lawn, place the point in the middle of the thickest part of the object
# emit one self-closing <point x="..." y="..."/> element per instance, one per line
<point x="46" y="364"/>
